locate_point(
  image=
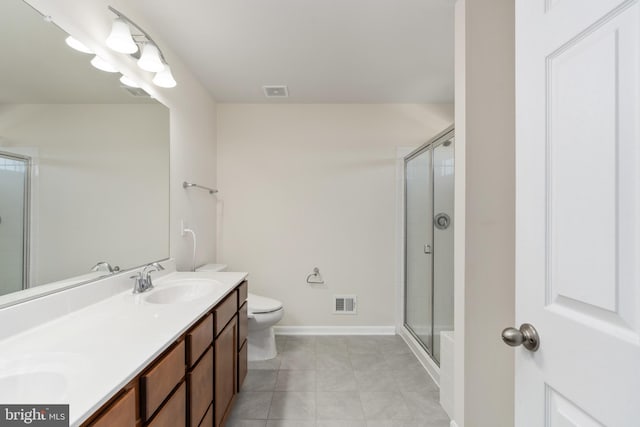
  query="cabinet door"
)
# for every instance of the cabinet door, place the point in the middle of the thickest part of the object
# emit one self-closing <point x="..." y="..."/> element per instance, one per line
<point x="242" y="365"/>
<point x="225" y="370"/>
<point x="243" y="325"/>
<point x="121" y="413"/>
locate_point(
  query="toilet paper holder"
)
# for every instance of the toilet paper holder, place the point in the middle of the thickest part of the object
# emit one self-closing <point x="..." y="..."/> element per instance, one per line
<point x="315" y="278"/>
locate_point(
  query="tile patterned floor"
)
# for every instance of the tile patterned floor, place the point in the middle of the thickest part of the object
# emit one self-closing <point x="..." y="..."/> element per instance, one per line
<point x="339" y="381"/>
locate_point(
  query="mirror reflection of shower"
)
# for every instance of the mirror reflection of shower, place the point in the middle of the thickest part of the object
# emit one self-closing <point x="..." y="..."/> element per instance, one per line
<point x="429" y="228"/>
<point x="14" y="222"/>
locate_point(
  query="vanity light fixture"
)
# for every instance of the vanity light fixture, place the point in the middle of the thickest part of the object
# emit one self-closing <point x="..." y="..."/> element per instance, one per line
<point x="77" y="45"/>
<point x="102" y="64"/>
<point x="147" y="52"/>
<point x="150" y="59"/>
<point x="127" y="81"/>
<point x="164" y="78"/>
<point x="120" y="38"/>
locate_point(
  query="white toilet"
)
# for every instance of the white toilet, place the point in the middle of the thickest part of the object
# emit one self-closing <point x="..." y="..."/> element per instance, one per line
<point x="263" y="314"/>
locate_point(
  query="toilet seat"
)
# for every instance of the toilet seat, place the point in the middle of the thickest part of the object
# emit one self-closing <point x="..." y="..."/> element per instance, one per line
<point x="261" y="305"/>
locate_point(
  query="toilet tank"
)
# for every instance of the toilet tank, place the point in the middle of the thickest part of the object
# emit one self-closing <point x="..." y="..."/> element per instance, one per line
<point x="212" y="267"/>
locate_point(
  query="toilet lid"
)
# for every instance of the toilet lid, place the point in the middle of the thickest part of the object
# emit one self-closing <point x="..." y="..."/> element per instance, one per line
<point x="259" y="304"/>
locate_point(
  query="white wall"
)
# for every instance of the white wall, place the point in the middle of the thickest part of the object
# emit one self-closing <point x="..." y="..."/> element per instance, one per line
<point x="92" y="163"/>
<point x="485" y="119"/>
<point x="314" y="185"/>
<point x="192" y="122"/>
<point x="459" y="214"/>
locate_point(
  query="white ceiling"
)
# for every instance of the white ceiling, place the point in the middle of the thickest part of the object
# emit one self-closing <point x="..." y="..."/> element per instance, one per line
<point x="365" y="51"/>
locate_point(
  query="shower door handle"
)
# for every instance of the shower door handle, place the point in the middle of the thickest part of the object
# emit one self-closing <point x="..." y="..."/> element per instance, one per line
<point x="427" y="249"/>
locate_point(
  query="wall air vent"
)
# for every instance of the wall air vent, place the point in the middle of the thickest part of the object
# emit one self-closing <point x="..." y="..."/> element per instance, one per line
<point x="136" y="91"/>
<point x="276" y="91"/>
<point x="344" y="304"/>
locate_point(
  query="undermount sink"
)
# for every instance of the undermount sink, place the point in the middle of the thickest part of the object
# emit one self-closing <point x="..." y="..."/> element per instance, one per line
<point x="182" y="291"/>
<point x="39" y="377"/>
<point x="36" y="386"/>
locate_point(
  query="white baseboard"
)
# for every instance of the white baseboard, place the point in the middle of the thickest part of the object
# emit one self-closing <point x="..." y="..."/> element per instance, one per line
<point x="429" y="365"/>
<point x="334" y="330"/>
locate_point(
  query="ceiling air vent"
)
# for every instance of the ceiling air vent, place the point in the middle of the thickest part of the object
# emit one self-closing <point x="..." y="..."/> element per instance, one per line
<point x="136" y="91"/>
<point x="276" y="91"/>
<point x="344" y="304"/>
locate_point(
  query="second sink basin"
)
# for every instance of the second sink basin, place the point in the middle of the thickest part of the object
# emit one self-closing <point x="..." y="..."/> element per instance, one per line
<point x="182" y="291"/>
<point x="40" y="378"/>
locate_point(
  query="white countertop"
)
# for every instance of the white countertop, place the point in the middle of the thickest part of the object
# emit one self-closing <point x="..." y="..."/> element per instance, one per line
<point x="85" y="357"/>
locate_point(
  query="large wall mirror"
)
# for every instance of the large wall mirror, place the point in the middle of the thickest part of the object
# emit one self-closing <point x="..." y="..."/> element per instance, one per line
<point x="84" y="164"/>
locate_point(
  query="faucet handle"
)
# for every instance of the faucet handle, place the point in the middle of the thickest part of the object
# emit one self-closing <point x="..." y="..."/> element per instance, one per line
<point x="139" y="283"/>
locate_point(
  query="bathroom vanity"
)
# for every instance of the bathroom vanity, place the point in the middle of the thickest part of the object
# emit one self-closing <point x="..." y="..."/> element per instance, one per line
<point x="173" y="356"/>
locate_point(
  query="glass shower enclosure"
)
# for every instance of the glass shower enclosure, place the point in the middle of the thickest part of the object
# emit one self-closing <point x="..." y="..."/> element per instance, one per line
<point x="14" y="222"/>
<point x="429" y="185"/>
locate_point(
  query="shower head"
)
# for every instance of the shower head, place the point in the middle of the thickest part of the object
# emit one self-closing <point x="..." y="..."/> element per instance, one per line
<point x="446" y="143"/>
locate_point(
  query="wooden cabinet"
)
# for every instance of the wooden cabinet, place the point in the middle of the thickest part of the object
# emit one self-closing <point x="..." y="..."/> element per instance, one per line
<point x="243" y="324"/>
<point x="195" y="381"/>
<point x="207" y="421"/>
<point x="225" y="311"/>
<point x="242" y="365"/>
<point x="199" y="339"/>
<point x="243" y="292"/>
<point x="122" y="412"/>
<point x="174" y="412"/>
<point x="158" y="381"/>
<point x="200" y="382"/>
<point x="243" y="331"/>
<point x="225" y="371"/>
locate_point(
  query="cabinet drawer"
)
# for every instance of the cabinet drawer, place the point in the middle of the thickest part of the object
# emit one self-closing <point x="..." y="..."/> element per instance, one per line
<point x="242" y="365"/>
<point x="200" y="383"/>
<point x="198" y="339"/>
<point x="207" y="421"/>
<point x="160" y="379"/>
<point x="226" y="310"/>
<point x="243" y="292"/>
<point x="243" y="324"/>
<point x="122" y="412"/>
<point x="174" y="412"/>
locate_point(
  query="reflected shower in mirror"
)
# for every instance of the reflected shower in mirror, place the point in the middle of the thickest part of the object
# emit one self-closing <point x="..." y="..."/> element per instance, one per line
<point x="84" y="164"/>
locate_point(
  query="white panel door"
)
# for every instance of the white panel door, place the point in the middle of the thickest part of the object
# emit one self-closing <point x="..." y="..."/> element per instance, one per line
<point x="578" y="211"/>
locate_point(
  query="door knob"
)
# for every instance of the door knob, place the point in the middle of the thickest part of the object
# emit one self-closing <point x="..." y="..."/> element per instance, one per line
<point x="526" y="335"/>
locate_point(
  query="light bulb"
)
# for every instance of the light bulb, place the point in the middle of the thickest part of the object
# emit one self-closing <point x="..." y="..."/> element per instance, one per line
<point x="150" y="59"/>
<point x="103" y="65"/>
<point x="77" y="45"/>
<point x="128" y="81"/>
<point x="164" y="78"/>
<point x="120" y="38"/>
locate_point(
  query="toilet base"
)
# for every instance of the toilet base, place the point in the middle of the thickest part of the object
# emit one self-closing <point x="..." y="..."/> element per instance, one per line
<point x="262" y="345"/>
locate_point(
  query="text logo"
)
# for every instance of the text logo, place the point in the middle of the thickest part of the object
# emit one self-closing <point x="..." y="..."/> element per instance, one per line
<point x="34" y="415"/>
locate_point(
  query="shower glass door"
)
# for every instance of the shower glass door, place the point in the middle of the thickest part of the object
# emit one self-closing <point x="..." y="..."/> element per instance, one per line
<point x="419" y="247"/>
<point x="429" y="191"/>
<point x="442" y="242"/>
<point x="14" y="222"/>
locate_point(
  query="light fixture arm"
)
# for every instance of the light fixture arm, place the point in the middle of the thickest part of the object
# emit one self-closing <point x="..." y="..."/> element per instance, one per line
<point x="139" y="28"/>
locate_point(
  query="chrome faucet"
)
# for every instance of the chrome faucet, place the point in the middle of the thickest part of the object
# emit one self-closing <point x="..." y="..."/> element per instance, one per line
<point x="142" y="280"/>
<point x="105" y="266"/>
